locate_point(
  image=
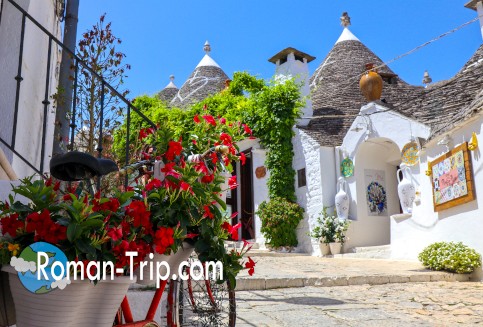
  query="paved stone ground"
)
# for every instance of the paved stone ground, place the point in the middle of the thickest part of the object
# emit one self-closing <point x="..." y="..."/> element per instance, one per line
<point x="408" y="304"/>
<point x="275" y="270"/>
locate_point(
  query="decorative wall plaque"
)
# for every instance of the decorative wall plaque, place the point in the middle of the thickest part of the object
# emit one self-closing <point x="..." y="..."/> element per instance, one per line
<point x="260" y="172"/>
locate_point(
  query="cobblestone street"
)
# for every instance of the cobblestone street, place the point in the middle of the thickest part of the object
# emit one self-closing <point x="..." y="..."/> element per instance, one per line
<point x="408" y="304"/>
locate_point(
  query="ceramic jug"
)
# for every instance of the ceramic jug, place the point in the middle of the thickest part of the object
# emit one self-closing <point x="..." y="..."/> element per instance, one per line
<point x="406" y="189"/>
<point x="342" y="200"/>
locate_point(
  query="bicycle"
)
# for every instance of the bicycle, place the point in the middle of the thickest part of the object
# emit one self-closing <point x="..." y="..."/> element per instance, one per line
<point x="190" y="302"/>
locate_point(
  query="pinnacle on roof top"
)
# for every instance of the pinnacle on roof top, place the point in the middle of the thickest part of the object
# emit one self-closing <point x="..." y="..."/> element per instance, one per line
<point x="207" y="47"/>
<point x="207" y="60"/>
<point x="345" y="20"/>
<point x="171" y="83"/>
<point x="426" y="78"/>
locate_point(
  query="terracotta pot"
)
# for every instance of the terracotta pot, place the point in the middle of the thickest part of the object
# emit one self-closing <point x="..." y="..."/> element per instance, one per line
<point x="371" y="84"/>
<point x="324" y="247"/>
<point x="335" y="247"/>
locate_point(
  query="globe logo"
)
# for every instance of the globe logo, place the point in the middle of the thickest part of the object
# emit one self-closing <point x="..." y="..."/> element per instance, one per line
<point x="27" y="266"/>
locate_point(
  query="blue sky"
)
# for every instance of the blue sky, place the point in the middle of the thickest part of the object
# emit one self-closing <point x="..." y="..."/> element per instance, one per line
<point x="162" y="37"/>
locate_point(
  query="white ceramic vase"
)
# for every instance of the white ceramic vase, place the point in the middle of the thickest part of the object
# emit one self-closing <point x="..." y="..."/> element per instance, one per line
<point x="335" y="247"/>
<point x="225" y="188"/>
<point x="324" y="247"/>
<point x="173" y="260"/>
<point x="80" y="304"/>
<point x="406" y="189"/>
<point x="342" y="200"/>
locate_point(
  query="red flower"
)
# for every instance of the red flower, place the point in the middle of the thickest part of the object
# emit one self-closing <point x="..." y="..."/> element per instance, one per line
<point x="193" y="141"/>
<point x="115" y="233"/>
<point x="207" y="212"/>
<point x="250" y="265"/>
<point x="205" y="107"/>
<point x="10" y="225"/>
<point x="233" y="230"/>
<point x="196" y="119"/>
<point x="214" y="158"/>
<point x="225" y="139"/>
<point x="163" y="239"/>
<point x="243" y="158"/>
<point x="222" y="121"/>
<point x="191" y="235"/>
<point x="145" y="132"/>
<point x="247" y="129"/>
<point x="207" y="178"/>
<point x="232" y="182"/>
<point x="209" y="119"/>
<point x="174" y="149"/>
<point x="110" y="205"/>
<point x="141" y="217"/>
<point x="185" y="186"/>
<point x="154" y="183"/>
<point x="44" y="228"/>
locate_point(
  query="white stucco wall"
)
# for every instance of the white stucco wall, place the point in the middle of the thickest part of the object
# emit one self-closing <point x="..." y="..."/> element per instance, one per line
<point x="374" y="141"/>
<point x="32" y="92"/>
<point x="461" y="223"/>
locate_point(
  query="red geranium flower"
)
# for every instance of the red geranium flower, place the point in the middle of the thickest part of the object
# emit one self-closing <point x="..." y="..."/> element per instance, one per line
<point x="250" y="265"/>
<point x="154" y="183"/>
<point x="243" y="158"/>
<point x="247" y="129"/>
<point x="196" y="119"/>
<point x="225" y="139"/>
<point x="209" y="119"/>
<point x="163" y="239"/>
<point x="232" y="182"/>
<point x="174" y="149"/>
<point x="233" y="230"/>
<point x="11" y="224"/>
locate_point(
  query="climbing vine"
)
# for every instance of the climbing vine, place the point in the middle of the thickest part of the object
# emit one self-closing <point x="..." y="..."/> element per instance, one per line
<point x="271" y="110"/>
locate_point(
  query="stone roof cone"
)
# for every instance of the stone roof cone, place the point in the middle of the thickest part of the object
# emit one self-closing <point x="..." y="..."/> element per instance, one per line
<point x="169" y="92"/>
<point x="207" y="79"/>
<point x="335" y="86"/>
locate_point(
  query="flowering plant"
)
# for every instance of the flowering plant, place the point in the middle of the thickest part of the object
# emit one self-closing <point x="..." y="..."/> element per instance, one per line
<point x="330" y="228"/>
<point x="184" y="196"/>
<point x="86" y="228"/>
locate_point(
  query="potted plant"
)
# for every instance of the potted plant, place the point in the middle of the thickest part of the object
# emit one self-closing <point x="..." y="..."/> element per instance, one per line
<point x="330" y="232"/>
<point x="85" y="229"/>
<point x="186" y="200"/>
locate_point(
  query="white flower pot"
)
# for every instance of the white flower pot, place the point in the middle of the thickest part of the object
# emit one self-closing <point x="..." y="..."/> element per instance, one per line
<point x="324" y="248"/>
<point x="406" y="189"/>
<point x="342" y="200"/>
<point x="335" y="247"/>
<point x="80" y="304"/>
<point x="173" y="260"/>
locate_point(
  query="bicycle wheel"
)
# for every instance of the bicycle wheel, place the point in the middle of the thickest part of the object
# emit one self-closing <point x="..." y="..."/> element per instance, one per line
<point x="203" y="303"/>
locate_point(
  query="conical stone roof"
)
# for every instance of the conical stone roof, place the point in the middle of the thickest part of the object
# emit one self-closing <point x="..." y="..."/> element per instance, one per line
<point x="335" y="89"/>
<point x="207" y="79"/>
<point x="169" y="92"/>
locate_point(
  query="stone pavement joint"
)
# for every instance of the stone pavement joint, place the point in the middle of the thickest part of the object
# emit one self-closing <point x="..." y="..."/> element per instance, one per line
<point x="289" y="270"/>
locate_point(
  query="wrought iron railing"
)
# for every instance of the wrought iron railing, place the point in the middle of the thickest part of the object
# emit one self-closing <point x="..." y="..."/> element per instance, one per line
<point x="78" y="65"/>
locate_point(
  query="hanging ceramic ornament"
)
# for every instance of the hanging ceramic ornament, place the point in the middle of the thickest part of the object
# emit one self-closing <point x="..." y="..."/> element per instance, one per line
<point x="410" y="153"/>
<point x="473" y="145"/>
<point x="347" y="167"/>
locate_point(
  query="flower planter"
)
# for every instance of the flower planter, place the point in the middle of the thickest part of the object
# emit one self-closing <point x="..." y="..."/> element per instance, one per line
<point x="80" y="304"/>
<point x="324" y="248"/>
<point x="7" y="308"/>
<point x="335" y="247"/>
<point x="173" y="260"/>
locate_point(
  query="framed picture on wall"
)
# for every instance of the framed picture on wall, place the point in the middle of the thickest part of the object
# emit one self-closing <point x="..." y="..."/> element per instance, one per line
<point x="452" y="178"/>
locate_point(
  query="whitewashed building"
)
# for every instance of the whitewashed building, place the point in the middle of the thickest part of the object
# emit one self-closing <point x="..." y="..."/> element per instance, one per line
<point x="29" y="74"/>
<point x="339" y="128"/>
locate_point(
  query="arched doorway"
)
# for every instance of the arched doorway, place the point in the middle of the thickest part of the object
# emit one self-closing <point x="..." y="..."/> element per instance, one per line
<point x="374" y="185"/>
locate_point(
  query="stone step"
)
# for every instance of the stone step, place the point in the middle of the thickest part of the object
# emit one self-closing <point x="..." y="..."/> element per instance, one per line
<point x="369" y="252"/>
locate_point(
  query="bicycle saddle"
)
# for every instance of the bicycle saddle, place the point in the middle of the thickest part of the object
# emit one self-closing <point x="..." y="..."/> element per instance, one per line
<point x="76" y="166"/>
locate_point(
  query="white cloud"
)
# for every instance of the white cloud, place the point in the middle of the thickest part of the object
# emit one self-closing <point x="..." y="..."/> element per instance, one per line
<point x="23" y="266"/>
<point x="61" y="284"/>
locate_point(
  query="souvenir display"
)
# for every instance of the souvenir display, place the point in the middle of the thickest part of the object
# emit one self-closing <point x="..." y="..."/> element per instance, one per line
<point x="410" y="154"/>
<point x="347" y="167"/>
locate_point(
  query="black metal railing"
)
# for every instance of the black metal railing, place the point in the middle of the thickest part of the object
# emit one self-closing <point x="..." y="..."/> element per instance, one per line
<point x="78" y="66"/>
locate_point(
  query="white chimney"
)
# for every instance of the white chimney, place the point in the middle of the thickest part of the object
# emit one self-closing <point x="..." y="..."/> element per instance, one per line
<point x="478" y="6"/>
<point x="292" y="63"/>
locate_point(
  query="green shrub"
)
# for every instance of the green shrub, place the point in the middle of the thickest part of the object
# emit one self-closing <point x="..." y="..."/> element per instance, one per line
<point x="280" y="218"/>
<point x="450" y="256"/>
